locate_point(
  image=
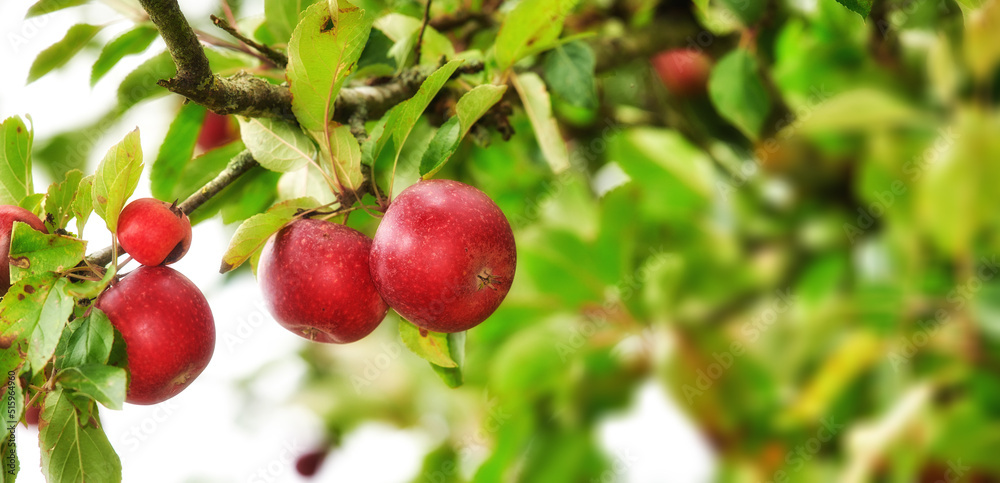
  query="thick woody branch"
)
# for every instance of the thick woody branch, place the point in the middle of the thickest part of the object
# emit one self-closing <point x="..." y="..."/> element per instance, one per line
<point x="237" y="167"/>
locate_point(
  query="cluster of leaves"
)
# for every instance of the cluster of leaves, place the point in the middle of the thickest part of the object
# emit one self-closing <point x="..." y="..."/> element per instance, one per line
<point x="59" y="351"/>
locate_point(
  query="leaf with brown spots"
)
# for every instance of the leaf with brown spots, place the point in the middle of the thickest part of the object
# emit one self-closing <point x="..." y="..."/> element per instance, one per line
<point x="35" y="310"/>
<point x="33" y="252"/>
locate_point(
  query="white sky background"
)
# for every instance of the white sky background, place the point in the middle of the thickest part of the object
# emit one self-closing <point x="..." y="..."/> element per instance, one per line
<point x="204" y="434"/>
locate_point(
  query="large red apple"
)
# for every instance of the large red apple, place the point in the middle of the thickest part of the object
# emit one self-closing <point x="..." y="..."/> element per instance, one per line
<point x="154" y="232"/>
<point x="443" y="256"/>
<point x="8" y="215"/>
<point x="684" y="71"/>
<point x="316" y="283"/>
<point x="168" y="329"/>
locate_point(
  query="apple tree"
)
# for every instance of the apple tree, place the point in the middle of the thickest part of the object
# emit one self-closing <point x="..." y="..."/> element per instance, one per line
<point x="775" y="210"/>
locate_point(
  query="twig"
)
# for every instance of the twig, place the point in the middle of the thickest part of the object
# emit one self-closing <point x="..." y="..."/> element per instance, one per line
<point x="449" y="22"/>
<point x="237" y="167"/>
<point x="423" y="26"/>
<point x="279" y="59"/>
<point x="225" y="44"/>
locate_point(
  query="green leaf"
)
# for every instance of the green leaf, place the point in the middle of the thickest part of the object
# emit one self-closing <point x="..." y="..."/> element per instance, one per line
<point x="176" y="151"/>
<point x="400" y="120"/>
<point x="62" y="51"/>
<point x="15" y="161"/>
<point x="91" y="289"/>
<point x="403" y="31"/>
<point x="468" y="110"/>
<point x="140" y="84"/>
<point x="982" y="40"/>
<point x="538" y="106"/>
<point x="134" y="41"/>
<point x="43" y="7"/>
<point x="83" y="203"/>
<point x="250" y="238"/>
<point x="33" y="203"/>
<point x="569" y="73"/>
<point x="104" y="384"/>
<point x="33" y="252"/>
<point x="36" y="309"/>
<point x="431" y="346"/>
<point x="283" y="15"/>
<point x="345" y="157"/>
<point x="58" y="203"/>
<point x="203" y="169"/>
<point x="860" y="7"/>
<point x="116" y="178"/>
<point x="277" y="145"/>
<point x="738" y="93"/>
<point x="320" y="57"/>
<point x="87" y="341"/>
<point x="532" y="27"/>
<point x="452" y="376"/>
<point x="74" y="448"/>
<point x="749" y="12"/>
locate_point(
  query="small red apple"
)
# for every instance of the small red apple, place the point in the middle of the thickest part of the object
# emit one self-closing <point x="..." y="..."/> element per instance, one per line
<point x="684" y="71"/>
<point x="8" y="215"/>
<point x="32" y="412"/>
<point x="154" y="232"/>
<point x="308" y="464"/>
<point x="443" y="256"/>
<point x="217" y="130"/>
<point x="316" y="283"/>
<point x="168" y="329"/>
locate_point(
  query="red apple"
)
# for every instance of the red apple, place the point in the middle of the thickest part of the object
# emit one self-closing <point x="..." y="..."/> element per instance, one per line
<point x="443" y="256"/>
<point x="316" y="283"/>
<point x="32" y="412"/>
<point x="217" y="130"/>
<point x="308" y="464"/>
<point x="168" y="329"/>
<point x="154" y="232"/>
<point x="8" y="215"/>
<point x="684" y="71"/>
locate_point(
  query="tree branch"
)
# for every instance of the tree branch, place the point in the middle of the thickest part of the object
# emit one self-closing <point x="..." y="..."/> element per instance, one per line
<point x="238" y="166"/>
<point x="423" y="26"/>
<point x="279" y="59"/>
